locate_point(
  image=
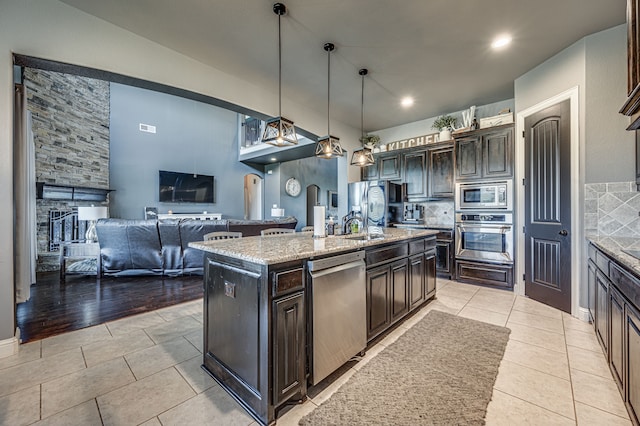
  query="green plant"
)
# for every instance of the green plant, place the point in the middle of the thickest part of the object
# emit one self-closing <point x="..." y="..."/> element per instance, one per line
<point x="444" y="122"/>
<point x="370" y="140"/>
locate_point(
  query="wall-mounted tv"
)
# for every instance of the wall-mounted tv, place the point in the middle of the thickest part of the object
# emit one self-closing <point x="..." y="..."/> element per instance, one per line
<point x="176" y="187"/>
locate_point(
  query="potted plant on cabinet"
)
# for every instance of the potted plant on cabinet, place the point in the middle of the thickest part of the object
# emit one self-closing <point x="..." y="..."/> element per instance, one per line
<point x="370" y="141"/>
<point x="444" y="124"/>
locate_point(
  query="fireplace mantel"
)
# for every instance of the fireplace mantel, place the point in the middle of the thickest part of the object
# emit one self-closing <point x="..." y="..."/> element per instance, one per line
<point x="46" y="191"/>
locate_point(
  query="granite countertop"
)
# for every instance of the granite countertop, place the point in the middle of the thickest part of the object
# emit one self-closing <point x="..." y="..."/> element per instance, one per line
<point x="422" y="225"/>
<point x="614" y="246"/>
<point x="280" y="248"/>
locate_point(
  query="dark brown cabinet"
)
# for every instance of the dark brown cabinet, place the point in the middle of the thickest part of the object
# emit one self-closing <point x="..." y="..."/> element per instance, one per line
<point x="416" y="280"/>
<point x="378" y="297"/>
<point x="632" y="357"/>
<point x="399" y="290"/>
<point x="371" y="172"/>
<point x="617" y="324"/>
<point x="440" y="178"/>
<point x="485" y="154"/>
<point x="288" y="351"/>
<point x="616" y="334"/>
<point x="414" y="167"/>
<point x="602" y="304"/>
<point x="631" y="106"/>
<point x="386" y="167"/>
<point x="400" y="277"/>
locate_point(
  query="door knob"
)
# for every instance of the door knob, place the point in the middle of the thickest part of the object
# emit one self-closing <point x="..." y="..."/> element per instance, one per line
<point x="564" y="233"/>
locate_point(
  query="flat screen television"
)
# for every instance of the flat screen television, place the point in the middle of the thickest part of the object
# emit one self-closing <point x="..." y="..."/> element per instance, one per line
<point x="176" y="187"/>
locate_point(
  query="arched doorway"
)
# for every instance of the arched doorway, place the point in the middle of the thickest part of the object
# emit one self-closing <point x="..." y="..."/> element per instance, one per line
<point x="253" y="197"/>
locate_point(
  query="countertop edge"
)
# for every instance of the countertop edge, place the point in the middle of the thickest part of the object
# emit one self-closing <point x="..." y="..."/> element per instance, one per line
<point x="614" y="248"/>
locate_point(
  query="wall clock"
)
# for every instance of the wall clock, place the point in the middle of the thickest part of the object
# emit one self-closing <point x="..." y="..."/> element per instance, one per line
<point x="292" y="187"/>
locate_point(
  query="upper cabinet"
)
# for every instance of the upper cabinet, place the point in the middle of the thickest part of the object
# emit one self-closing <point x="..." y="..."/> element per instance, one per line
<point x="386" y="167"/>
<point x="632" y="105"/>
<point x="414" y="167"/>
<point x="485" y="154"/>
<point x="441" y="167"/>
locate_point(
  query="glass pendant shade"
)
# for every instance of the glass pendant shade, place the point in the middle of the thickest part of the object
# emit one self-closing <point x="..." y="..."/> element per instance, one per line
<point x="279" y="131"/>
<point x="362" y="157"/>
<point x="329" y="147"/>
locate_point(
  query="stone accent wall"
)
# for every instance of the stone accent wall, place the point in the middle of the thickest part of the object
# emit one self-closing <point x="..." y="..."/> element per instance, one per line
<point x="71" y="134"/>
<point x="611" y="210"/>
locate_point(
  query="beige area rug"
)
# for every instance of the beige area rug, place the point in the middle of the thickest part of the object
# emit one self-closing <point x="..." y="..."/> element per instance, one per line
<point x="440" y="372"/>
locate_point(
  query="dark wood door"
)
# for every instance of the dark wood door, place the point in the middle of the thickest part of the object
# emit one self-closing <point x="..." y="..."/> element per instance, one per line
<point x="389" y="166"/>
<point x="399" y="289"/>
<point x="548" y="206"/>
<point x="289" y="348"/>
<point x="616" y="336"/>
<point x="378" y="293"/>
<point x="414" y="168"/>
<point x="416" y="280"/>
<point x="602" y="311"/>
<point x="497" y="154"/>
<point x="632" y="356"/>
<point x="440" y="175"/>
<point x="468" y="158"/>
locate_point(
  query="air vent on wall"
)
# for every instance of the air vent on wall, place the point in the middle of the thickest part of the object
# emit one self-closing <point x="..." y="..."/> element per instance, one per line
<point x="147" y="128"/>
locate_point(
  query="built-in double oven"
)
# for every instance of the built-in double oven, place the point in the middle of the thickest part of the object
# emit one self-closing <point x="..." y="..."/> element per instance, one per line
<point x="484" y="221"/>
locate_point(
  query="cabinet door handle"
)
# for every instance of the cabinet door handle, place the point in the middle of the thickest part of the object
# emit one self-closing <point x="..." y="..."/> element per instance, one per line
<point x="564" y="233"/>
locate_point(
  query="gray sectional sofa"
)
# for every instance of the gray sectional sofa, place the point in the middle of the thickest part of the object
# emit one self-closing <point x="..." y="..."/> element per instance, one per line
<point x="161" y="247"/>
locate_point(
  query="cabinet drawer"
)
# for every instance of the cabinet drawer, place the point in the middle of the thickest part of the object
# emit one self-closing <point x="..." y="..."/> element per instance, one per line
<point x="385" y="254"/>
<point x="628" y="285"/>
<point x="602" y="262"/>
<point x="416" y="247"/>
<point x="287" y="281"/>
<point x="429" y="243"/>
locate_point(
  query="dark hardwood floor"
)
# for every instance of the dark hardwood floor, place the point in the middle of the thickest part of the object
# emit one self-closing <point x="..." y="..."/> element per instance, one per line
<point x="83" y="301"/>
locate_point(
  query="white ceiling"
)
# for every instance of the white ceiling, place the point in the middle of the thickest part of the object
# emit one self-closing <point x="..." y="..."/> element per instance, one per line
<point x="434" y="50"/>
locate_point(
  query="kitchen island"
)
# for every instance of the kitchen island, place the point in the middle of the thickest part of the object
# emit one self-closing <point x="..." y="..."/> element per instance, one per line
<point x="258" y="305"/>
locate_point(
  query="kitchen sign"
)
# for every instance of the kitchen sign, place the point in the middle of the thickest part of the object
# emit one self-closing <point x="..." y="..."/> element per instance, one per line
<point x="409" y="143"/>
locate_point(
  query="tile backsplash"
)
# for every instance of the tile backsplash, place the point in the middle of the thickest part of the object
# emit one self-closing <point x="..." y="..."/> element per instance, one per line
<point x="612" y="210"/>
<point x="439" y="213"/>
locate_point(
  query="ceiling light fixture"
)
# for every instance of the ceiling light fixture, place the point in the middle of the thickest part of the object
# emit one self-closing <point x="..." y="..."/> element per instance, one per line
<point x="407" y="101"/>
<point x="362" y="157"/>
<point x="328" y="146"/>
<point x="279" y="131"/>
<point x="501" y="41"/>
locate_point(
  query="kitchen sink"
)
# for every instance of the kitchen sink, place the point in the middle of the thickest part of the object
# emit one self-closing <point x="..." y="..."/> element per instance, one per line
<point x="365" y="237"/>
<point x="634" y="253"/>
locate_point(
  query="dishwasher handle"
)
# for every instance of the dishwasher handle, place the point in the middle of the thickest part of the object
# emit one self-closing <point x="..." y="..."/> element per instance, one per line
<point x="339" y="268"/>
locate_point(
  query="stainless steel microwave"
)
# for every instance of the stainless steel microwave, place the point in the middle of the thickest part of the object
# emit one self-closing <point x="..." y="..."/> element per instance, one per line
<point x="484" y="196"/>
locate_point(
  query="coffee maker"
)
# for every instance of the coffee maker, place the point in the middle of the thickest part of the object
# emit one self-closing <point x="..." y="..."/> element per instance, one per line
<point x="412" y="212"/>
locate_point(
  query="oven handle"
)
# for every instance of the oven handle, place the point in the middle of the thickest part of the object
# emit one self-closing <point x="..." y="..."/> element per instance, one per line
<point x="502" y="229"/>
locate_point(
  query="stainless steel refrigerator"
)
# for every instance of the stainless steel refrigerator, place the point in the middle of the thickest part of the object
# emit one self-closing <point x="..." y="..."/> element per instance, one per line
<point x="380" y="201"/>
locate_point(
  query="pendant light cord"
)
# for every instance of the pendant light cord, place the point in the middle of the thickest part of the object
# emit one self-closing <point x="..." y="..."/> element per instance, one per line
<point x="279" y="66"/>
<point x="328" y="91"/>
<point x="362" y="113"/>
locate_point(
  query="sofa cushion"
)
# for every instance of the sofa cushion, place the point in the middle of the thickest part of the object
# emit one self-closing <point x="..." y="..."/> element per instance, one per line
<point x="194" y="230"/>
<point x="169" y="231"/>
<point x="129" y="247"/>
<point x="253" y="227"/>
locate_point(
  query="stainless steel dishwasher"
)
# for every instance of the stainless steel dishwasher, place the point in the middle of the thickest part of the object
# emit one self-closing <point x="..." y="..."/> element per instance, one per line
<point x="338" y="316"/>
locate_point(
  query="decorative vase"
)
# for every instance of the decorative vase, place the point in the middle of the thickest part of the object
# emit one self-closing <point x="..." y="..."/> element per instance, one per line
<point x="445" y="134"/>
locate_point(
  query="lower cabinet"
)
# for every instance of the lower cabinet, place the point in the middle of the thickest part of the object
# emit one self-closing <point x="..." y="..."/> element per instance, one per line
<point x="602" y="305"/>
<point x="615" y="294"/>
<point x="399" y="290"/>
<point x="616" y="335"/>
<point x="500" y="275"/>
<point x="399" y="280"/>
<point x="289" y="347"/>
<point x="632" y="356"/>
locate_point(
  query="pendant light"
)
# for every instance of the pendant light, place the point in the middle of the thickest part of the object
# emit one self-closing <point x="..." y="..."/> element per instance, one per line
<point x="362" y="157"/>
<point x="328" y="146"/>
<point x="279" y="131"/>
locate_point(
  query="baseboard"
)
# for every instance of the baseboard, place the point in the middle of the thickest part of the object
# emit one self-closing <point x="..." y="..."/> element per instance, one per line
<point x="583" y="314"/>
<point x="9" y="346"/>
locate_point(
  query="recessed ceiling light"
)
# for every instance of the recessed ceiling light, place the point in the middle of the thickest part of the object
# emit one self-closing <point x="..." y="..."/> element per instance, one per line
<point x="407" y="101"/>
<point x="501" y="41"/>
<point x="273" y="159"/>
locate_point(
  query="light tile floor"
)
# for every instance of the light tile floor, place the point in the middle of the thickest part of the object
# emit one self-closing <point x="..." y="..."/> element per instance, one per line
<point x="146" y="370"/>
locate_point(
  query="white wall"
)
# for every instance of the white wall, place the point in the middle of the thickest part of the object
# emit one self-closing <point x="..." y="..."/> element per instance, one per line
<point x="53" y="30"/>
